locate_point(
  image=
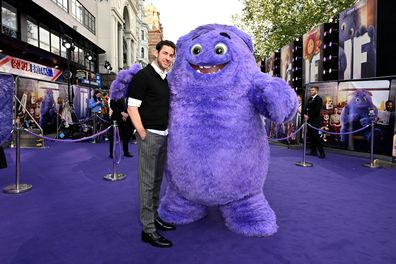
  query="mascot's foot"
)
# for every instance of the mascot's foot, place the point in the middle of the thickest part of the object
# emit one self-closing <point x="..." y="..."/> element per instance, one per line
<point x="251" y="216"/>
<point x="176" y="209"/>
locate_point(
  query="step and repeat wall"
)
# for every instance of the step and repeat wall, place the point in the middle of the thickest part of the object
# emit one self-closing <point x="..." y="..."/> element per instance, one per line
<point x="350" y="59"/>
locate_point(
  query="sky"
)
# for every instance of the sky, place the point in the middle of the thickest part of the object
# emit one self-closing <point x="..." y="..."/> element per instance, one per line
<point x="179" y="17"/>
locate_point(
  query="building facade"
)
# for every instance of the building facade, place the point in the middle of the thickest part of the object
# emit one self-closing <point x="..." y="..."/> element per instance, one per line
<point x="109" y="33"/>
<point x="122" y="33"/>
<point x="155" y="30"/>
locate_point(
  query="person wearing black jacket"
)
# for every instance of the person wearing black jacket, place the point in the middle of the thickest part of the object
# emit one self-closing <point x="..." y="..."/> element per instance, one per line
<point x="3" y="160"/>
<point x="120" y="114"/>
<point x="312" y="116"/>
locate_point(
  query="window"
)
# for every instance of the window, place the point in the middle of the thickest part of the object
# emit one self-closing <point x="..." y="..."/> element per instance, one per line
<point x="142" y="53"/>
<point x="9" y="20"/>
<point x="142" y="34"/>
<point x="44" y="38"/>
<point x="63" y="50"/>
<point x="83" y="16"/>
<point x="32" y="32"/>
<point x="62" y="4"/>
<point x="55" y="43"/>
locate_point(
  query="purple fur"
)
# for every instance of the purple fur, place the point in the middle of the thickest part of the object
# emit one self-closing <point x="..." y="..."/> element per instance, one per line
<point x="119" y="87"/>
<point x="217" y="146"/>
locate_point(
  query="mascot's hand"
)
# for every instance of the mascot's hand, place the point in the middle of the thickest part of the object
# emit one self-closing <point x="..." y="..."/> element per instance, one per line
<point x="273" y="98"/>
<point x="365" y="121"/>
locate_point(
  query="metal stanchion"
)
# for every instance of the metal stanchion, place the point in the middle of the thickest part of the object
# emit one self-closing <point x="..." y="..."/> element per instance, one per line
<point x="304" y="163"/>
<point x="115" y="176"/>
<point x="94" y="128"/>
<point x="17" y="187"/>
<point x="372" y="162"/>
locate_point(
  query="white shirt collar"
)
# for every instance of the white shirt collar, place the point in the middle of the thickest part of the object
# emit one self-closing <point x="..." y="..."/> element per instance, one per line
<point x="159" y="71"/>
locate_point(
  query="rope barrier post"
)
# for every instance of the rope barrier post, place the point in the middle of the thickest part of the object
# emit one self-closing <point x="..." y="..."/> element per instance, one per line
<point x="304" y="163"/>
<point x="372" y="164"/>
<point x="94" y="128"/>
<point x="115" y="176"/>
<point x="17" y="187"/>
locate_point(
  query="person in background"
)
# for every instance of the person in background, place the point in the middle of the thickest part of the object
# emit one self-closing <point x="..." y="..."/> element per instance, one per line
<point x="120" y="114"/>
<point x="148" y="107"/>
<point x="312" y="116"/>
<point x="3" y="160"/>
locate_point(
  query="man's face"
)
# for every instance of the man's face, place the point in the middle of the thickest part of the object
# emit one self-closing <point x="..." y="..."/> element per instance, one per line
<point x="165" y="57"/>
<point x="313" y="91"/>
<point x="389" y="106"/>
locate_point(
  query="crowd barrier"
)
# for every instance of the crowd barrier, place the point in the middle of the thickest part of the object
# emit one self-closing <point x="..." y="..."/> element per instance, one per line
<point x="114" y="176"/>
<point x="23" y="187"/>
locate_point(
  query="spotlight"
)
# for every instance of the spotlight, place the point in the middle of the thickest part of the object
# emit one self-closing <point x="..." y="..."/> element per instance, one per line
<point x="67" y="42"/>
<point x="107" y="65"/>
<point x="88" y="55"/>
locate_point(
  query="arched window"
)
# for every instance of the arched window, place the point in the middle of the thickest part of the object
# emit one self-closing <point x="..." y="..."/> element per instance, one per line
<point x="142" y="53"/>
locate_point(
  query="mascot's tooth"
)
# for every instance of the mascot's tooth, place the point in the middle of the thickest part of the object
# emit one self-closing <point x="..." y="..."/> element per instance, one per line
<point x="201" y="67"/>
<point x="207" y="67"/>
<point x="198" y="71"/>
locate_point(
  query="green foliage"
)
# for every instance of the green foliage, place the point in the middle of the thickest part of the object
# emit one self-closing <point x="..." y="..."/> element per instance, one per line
<point x="275" y="23"/>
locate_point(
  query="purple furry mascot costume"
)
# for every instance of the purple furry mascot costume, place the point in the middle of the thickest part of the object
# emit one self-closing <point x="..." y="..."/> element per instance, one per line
<point x="119" y="87"/>
<point x="217" y="146"/>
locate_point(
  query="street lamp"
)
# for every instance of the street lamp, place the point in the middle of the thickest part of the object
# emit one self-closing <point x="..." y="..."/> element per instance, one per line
<point x="67" y="42"/>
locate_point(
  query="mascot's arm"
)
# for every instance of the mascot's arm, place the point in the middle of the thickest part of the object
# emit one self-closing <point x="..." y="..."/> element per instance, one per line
<point x="273" y="98"/>
<point x="119" y="87"/>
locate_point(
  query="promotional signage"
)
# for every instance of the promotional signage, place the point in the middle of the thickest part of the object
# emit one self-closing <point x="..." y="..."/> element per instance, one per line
<point x="24" y="68"/>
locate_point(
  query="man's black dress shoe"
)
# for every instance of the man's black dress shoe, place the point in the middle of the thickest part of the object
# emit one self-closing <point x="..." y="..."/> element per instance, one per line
<point x="162" y="225"/>
<point x="129" y="155"/>
<point x="156" y="240"/>
<point x="322" y="155"/>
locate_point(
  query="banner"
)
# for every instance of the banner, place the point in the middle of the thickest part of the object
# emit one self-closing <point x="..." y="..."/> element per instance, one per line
<point x="313" y="55"/>
<point x="357" y="41"/>
<point x="80" y="102"/>
<point x="6" y="99"/>
<point x="29" y="69"/>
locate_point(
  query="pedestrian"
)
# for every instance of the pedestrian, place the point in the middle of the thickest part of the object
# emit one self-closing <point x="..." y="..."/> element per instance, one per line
<point x="148" y="107"/>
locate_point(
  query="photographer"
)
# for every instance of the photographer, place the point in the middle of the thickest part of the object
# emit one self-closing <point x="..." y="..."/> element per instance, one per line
<point x="96" y="103"/>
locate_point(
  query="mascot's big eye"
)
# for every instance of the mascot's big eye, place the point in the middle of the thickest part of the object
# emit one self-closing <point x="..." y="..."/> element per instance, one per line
<point x="357" y="99"/>
<point x="351" y="31"/>
<point x="343" y="26"/>
<point x="364" y="99"/>
<point x="196" y="49"/>
<point x="220" y="49"/>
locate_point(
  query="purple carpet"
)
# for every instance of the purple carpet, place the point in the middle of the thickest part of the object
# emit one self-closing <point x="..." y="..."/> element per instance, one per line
<point x="334" y="212"/>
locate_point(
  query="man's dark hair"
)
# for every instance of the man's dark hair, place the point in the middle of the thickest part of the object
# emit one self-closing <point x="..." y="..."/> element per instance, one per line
<point x="314" y="86"/>
<point x="162" y="43"/>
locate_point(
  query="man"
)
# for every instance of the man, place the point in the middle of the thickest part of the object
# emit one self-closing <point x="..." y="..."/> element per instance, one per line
<point x="119" y="113"/>
<point x="148" y="107"/>
<point x="312" y="116"/>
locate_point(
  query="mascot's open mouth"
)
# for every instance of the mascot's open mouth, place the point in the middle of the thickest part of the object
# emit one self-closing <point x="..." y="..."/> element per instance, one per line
<point x="208" y="69"/>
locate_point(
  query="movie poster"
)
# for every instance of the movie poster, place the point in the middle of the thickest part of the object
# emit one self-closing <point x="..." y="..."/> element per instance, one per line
<point x="286" y="64"/>
<point x="6" y="99"/>
<point x="80" y="102"/>
<point x="365" y="101"/>
<point x="357" y="41"/>
<point x="269" y="64"/>
<point x="390" y="107"/>
<point x="40" y="104"/>
<point x="313" y="55"/>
